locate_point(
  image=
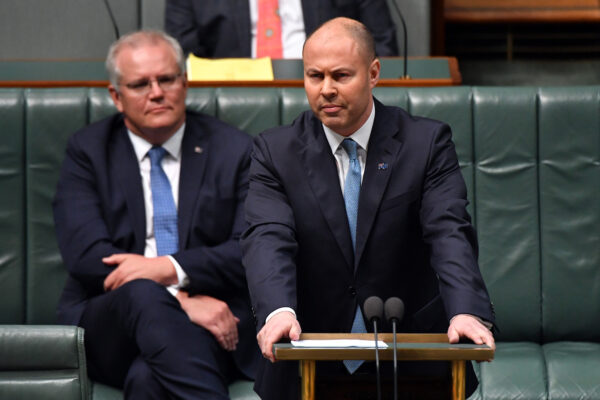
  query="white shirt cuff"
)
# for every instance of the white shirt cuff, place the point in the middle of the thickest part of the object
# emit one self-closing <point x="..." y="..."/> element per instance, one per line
<point x="288" y="309"/>
<point x="182" y="278"/>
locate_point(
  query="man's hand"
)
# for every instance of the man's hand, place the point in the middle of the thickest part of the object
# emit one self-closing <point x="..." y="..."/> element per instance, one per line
<point x="213" y="315"/>
<point x="135" y="266"/>
<point x="283" y="324"/>
<point x="464" y="325"/>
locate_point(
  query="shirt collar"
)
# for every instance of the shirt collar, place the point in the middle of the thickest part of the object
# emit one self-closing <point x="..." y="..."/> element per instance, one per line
<point x="172" y="145"/>
<point x="361" y="136"/>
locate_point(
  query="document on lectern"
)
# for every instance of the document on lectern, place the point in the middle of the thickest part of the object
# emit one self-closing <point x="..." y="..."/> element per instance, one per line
<point x="339" y="343"/>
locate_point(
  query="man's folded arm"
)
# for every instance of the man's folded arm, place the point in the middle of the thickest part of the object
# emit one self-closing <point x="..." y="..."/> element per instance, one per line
<point x="82" y="234"/>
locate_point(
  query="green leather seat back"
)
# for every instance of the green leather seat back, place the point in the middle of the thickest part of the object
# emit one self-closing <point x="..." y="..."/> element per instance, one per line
<point x="202" y="100"/>
<point x="100" y="105"/>
<point x="293" y="102"/>
<point x="251" y="109"/>
<point x="453" y="106"/>
<point x="569" y="186"/>
<point x="12" y="207"/>
<point x="52" y="115"/>
<point x="506" y="196"/>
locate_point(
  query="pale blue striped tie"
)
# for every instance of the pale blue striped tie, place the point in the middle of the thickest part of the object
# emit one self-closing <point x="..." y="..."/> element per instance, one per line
<point x="165" y="212"/>
<point x="351" y="195"/>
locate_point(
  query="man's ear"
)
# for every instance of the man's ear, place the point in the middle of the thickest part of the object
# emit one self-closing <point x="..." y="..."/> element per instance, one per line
<point x="116" y="97"/>
<point x="374" y="70"/>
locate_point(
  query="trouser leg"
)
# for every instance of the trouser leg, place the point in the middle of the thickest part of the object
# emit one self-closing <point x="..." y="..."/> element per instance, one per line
<point x="141" y="318"/>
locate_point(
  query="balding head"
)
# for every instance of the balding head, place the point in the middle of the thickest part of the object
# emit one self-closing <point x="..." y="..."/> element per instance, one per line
<point x="338" y="27"/>
<point x="340" y="71"/>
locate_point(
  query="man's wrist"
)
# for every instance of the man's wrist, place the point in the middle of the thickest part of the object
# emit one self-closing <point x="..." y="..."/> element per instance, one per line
<point x="280" y="310"/>
<point x="181" y="278"/>
<point x="485" y="323"/>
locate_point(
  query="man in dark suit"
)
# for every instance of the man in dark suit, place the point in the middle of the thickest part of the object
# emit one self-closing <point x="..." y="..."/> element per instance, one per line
<point x="320" y="242"/>
<point x="223" y="28"/>
<point x="148" y="213"/>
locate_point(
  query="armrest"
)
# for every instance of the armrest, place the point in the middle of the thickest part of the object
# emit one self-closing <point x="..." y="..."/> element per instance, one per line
<point x="43" y="360"/>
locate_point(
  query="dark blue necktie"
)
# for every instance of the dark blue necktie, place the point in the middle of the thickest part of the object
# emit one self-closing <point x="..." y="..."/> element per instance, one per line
<point x="351" y="196"/>
<point x="165" y="212"/>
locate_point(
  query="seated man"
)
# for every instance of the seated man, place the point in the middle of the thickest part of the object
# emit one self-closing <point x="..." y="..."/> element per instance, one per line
<point x="217" y="28"/>
<point x="148" y="212"/>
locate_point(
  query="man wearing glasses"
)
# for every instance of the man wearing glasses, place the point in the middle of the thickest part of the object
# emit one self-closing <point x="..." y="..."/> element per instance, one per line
<point x="148" y="213"/>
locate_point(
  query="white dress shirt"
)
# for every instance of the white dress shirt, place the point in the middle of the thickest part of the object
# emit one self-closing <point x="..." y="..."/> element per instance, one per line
<point x="293" y="34"/>
<point x="171" y="164"/>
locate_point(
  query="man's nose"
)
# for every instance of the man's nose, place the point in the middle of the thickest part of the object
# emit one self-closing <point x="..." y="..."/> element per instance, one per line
<point x="328" y="88"/>
<point x="155" y="89"/>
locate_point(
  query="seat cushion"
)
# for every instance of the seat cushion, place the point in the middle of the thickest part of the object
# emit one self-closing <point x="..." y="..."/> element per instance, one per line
<point x="573" y="370"/>
<point x="517" y="372"/>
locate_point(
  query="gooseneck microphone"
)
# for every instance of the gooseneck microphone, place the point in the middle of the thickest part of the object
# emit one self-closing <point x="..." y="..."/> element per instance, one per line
<point x="112" y="19"/>
<point x="394" y="312"/>
<point x="405" y="47"/>
<point x="373" y="308"/>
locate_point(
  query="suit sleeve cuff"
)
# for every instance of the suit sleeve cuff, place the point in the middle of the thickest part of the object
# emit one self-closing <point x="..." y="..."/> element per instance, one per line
<point x="282" y="309"/>
<point x="485" y="323"/>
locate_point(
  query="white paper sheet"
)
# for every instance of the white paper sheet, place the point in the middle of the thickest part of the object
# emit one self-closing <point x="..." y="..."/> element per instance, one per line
<point x="340" y="343"/>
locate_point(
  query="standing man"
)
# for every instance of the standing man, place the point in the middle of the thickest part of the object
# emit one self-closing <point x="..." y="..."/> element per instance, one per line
<point x="238" y="28"/>
<point x="356" y="199"/>
<point x="148" y="213"/>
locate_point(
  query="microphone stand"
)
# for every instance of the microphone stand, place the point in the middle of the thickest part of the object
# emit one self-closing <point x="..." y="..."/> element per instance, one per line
<point x="405" y="72"/>
<point x="395" y="360"/>
<point x="377" y="360"/>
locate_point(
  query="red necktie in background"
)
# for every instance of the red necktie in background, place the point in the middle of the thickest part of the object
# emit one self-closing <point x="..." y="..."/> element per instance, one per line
<point x="268" y="30"/>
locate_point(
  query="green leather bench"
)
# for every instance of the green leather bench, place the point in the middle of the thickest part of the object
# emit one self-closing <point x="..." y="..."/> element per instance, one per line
<point x="531" y="160"/>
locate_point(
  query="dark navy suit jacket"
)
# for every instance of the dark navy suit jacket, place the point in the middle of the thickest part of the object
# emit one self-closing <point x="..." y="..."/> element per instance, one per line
<point x="221" y="28"/>
<point x="99" y="210"/>
<point x="414" y="238"/>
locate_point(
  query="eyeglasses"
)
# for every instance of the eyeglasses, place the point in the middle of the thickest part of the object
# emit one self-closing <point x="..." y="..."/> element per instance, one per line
<point x="144" y="86"/>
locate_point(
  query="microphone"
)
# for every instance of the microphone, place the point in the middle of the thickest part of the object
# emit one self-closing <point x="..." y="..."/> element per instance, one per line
<point x="112" y="19"/>
<point x="373" y="308"/>
<point x="405" y="48"/>
<point x="394" y="312"/>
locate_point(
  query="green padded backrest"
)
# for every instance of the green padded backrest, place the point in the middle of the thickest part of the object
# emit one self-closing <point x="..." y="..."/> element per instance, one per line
<point x="569" y="123"/>
<point x="202" y="100"/>
<point x="530" y="158"/>
<point x="293" y="102"/>
<point x="251" y="109"/>
<point x="100" y="105"/>
<point x="453" y="106"/>
<point x="506" y="197"/>
<point x="12" y="207"/>
<point x="52" y="115"/>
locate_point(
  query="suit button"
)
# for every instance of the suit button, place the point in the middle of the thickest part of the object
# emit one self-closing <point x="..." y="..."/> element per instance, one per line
<point x="352" y="291"/>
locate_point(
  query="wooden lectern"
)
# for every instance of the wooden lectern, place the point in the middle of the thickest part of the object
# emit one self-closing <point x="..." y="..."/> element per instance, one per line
<point x="411" y="347"/>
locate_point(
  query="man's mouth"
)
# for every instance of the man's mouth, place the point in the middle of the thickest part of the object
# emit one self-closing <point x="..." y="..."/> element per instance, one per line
<point x="156" y="110"/>
<point x="330" y="108"/>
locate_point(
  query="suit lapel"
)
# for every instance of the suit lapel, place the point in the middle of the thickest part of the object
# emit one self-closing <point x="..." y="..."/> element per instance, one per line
<point x="126" y="168"/>
<point x="194" y="148"/>
<point x="321" y="171"/>
<point x="383" y="148"/>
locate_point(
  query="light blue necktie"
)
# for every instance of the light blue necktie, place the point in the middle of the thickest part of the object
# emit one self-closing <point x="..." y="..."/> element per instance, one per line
<point x="351" y="195"/>
<point x="165" y="212"/>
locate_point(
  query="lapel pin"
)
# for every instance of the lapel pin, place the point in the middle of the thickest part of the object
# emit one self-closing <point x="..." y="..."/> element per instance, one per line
<point x="382" y="166"/>
<point x="198" y="149"/>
